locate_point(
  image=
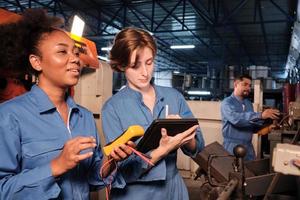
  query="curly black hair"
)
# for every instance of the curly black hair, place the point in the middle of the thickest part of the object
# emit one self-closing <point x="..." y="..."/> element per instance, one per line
<point x="20" y="39"/>
<point x="11" y="53"/>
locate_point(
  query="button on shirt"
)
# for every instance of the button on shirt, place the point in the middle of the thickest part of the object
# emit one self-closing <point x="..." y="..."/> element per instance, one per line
<point x="239" y="123"/>
<point x="134" y="180"/>
<point x="32" y="133"/>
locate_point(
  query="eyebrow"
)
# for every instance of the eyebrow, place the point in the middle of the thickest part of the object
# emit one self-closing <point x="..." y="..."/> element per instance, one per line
<point x="62" y="44"/>
<point x="66" y="45"/>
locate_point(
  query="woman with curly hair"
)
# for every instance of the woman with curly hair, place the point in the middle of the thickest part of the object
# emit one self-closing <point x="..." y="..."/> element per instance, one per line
<point x="49" y="145"/>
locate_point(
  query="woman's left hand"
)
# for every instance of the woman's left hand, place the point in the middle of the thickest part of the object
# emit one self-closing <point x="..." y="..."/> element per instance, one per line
<point x="123" y="151"/>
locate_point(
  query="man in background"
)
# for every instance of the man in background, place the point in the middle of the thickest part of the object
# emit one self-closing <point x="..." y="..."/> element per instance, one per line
<point x="239" y="119"/>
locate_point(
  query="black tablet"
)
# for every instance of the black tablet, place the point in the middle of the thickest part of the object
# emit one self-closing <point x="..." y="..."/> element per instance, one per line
<point x="152" y="136"/>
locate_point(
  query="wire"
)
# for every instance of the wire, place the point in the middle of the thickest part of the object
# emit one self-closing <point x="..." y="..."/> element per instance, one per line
<point x="142" y="156"/>
<point x="108" y="185"/>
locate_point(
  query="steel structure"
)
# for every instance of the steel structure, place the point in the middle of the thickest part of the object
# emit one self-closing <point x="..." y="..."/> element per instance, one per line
<point x="225" y="32"/>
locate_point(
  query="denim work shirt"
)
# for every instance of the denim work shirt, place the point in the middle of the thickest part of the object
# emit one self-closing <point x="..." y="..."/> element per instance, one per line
<point x="134" y="180"/>
<point x="32" y="133"/>
<point x="239" y="123"/>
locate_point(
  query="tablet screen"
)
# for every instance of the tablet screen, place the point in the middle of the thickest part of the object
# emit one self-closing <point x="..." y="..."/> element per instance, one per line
<point x="152" y="135"/>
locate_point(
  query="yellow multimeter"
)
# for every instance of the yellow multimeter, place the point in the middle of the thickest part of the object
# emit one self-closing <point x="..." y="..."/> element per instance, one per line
<point x="131" y="133"/>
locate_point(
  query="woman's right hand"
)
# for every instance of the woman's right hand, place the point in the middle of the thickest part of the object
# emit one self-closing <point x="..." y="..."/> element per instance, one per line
<point x="170" y="143"/>
<point x="71" y="154"/>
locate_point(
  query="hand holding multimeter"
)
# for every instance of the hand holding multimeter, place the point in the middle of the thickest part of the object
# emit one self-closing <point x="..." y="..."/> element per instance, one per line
<point x="166" y="133"/>
<point x="131" y="133"/>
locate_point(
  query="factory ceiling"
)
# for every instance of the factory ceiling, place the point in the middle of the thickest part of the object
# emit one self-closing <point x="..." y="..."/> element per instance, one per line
<point x="225" y="32"/>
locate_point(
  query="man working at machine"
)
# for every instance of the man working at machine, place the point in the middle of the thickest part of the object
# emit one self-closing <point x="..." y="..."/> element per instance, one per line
<point x="239" y="119"/>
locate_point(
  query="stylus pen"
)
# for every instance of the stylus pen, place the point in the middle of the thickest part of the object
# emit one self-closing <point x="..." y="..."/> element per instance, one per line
<point x="167" y="110"/>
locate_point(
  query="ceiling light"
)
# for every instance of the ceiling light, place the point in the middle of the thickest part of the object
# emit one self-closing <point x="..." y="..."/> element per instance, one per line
<point x="105" y="48"/>
<point x="103" y="58"/>
<point x="176" y="72"/>
<point x="182" y="46"/>
<point x="198" y="92"/>
<point x="77" y="26"/>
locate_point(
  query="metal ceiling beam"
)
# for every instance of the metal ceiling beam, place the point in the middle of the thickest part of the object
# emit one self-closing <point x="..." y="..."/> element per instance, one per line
<point x="290" y="18"/>
<point x="183" y="13"/>
<point x="111" y="21"/>
<point x="199" y="9"/>
<point x="234" y="11"/>
<point x="152" y="14"/>
<point x="187" y="28"/>
<point x="19" y="5"/>
<point x="263" y="31"/>
<point x="162" y="42"/>
<point x="15" y="4"/>
<point x="238" y="34"/>
<point x="216" y="7"/>
<point x="92" y="15"/>
<point x="173" y="58"/>
<point x="53" y="9"/>
<point x="137" y="16"/>
<point x="202" y="12"/>
<point x="168" y="14"/>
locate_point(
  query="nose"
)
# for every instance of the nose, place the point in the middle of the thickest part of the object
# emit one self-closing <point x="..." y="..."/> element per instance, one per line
<point x="144" y="69"/>
<point x="74" y="58"/>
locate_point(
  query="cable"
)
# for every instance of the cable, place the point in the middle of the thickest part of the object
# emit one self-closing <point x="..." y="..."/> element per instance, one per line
<point x="108" y="185"/>
<point x="142" y="156"/>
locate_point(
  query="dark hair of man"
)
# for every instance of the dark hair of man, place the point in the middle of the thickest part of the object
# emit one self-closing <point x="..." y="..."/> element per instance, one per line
<point x="125" y="42"/>
<point x="242" y="77"/>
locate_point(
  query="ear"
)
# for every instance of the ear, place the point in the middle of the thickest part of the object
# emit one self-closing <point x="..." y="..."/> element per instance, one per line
<point x="35" y="62"/>
<point x="235" y="83"/>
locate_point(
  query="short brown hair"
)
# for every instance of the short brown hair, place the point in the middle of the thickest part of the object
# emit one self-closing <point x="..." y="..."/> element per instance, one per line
<point x="125" y="42"/>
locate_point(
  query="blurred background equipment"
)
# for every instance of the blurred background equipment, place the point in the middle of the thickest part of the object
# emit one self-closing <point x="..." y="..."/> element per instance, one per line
<point x="228" y="177"/>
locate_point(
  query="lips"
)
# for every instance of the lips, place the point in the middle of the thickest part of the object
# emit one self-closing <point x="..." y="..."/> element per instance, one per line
<point x="74" y="71"/>
<point x="143" y="80"/>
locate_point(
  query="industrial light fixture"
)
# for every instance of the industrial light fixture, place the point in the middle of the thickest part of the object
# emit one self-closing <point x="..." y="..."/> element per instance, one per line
<point x="77" y="26"/>
<point x="103" y="58"/>
<point x="176" y="72"/>
<point x="105" y="48"/>
<point x="182" y="46"/>
<point x="199" y="92"/>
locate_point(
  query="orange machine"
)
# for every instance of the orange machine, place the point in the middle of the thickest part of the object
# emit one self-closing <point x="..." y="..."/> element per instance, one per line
<point x="8" y="17"/>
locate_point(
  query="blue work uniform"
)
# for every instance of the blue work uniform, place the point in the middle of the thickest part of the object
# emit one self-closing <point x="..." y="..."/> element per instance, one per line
<point x="239" y="123"/>
<point x="32" y="133"/>
<point x="134" y="180"/>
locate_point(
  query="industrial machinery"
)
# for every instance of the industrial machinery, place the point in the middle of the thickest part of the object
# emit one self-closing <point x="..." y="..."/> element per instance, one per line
<point x="287" y="126"/>
<point x="229" y="177"/>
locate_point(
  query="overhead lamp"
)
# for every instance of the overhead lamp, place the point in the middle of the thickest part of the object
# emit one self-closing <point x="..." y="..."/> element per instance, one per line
<point x="77" y="26"/>
<point x="176" y="72"/>
<point x="105" y="48"/>
<point x="103" y="58"/>
<point x="150" y="33"/>
<point x="198" y="92"/>
<point x="182" y="46"/>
